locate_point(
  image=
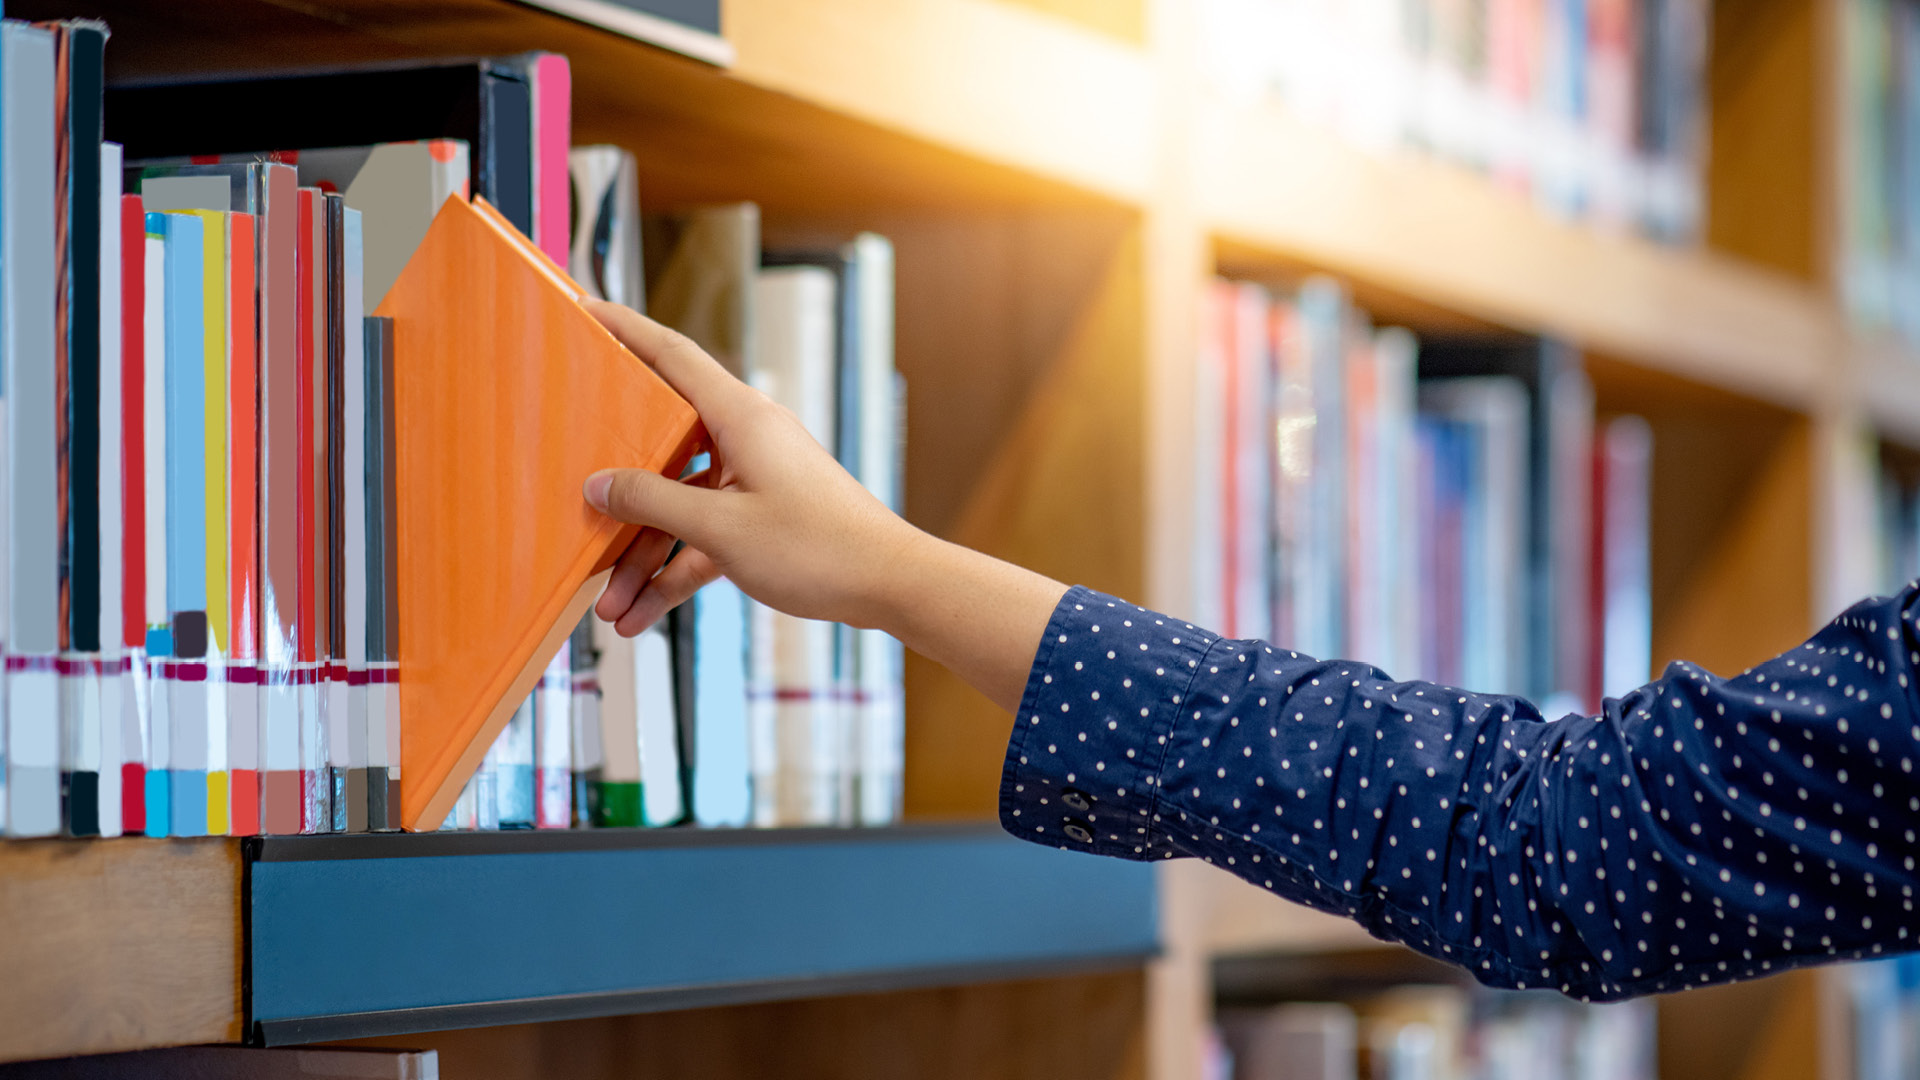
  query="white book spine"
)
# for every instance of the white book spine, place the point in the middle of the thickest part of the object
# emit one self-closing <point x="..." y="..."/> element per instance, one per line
<point x="658" y="723"/>
<point x="111" y="669"/>
<point x="33" y="744"/>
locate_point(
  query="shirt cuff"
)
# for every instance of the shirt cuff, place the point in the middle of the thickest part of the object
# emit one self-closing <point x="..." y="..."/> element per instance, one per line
<point x="1084" y="763"/>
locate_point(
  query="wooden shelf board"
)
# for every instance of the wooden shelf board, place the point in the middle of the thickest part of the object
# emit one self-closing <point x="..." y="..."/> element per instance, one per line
<point x="1886" y="384"/>
<point x="109" y="945"/>
<point x="1446" y="237"/>
<point x="828" y="107"/>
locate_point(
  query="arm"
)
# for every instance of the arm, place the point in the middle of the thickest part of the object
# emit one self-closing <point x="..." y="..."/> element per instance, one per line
<point x="1698" y="830"/>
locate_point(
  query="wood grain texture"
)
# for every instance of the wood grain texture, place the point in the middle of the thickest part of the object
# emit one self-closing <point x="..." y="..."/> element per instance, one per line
<point x="112" y="945"/>
<point x="1080" y="1028"/>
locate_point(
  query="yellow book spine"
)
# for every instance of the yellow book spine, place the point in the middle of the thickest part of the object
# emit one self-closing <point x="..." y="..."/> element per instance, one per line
<point x="214" y="293"/>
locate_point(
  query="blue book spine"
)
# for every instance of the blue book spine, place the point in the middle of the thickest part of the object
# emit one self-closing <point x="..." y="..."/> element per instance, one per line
<point x="186" y="519"/>
<point x="722" y="792"/>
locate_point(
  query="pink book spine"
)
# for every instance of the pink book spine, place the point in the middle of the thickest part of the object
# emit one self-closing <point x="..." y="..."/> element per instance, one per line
<point x="553" y="137"/>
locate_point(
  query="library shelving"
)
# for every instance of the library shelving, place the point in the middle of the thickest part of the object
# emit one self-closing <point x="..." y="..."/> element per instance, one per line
<point x="1060" y="185"/>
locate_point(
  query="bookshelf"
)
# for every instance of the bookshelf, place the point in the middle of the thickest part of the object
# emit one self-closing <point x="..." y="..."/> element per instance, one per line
<point x="1059" y="186"/>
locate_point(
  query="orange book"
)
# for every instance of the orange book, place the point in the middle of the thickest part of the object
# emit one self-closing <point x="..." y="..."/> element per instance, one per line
<point x="507" y="395"/>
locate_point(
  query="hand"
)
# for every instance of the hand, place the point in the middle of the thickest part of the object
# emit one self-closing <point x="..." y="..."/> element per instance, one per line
<point x="781" y="519"/>
<point x="774" y="512"/>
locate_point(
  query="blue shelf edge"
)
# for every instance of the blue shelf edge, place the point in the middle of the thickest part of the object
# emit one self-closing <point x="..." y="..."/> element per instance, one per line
<point x="359" y="936"/>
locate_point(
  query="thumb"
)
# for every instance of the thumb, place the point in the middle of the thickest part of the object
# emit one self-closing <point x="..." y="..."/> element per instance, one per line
<point x="641" y="497"/>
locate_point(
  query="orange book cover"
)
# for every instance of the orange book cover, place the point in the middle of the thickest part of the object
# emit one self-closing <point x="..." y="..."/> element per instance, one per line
<point x="507" y="395"/>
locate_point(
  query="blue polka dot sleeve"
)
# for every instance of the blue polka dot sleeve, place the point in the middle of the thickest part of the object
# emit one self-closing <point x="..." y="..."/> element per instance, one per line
<point x="1698" y="830"/>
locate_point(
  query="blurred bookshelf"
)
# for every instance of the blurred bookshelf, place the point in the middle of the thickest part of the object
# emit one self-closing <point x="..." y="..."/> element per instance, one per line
<point x="1062" y="181"/>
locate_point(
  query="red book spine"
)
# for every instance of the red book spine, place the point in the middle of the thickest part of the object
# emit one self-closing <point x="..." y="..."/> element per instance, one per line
<point x="303" y="389"/>
<point x="553" y="132"/>
<point x="243" y="477"/>
<point x="133" y="427"/>
<point x="243" y="519"/>
<point x="133" y="489"/>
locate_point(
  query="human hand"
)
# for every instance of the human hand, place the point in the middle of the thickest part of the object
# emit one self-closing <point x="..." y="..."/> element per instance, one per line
<point x="774" y="513"/>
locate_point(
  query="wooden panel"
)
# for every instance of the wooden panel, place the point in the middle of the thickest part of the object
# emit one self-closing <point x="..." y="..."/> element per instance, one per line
<point x="1768" y="1029"/>
<point x="1044" y="349"/>
<point x="1732" y="539"/>
<point x="1087" y="1028"/>
<point x="118" y="945"/>
<point x="1763" y="168"/>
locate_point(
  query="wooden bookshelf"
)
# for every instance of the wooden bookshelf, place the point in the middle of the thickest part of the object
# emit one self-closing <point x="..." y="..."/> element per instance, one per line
<point x="118" y="945"/>
<point x="1060" y="182"/>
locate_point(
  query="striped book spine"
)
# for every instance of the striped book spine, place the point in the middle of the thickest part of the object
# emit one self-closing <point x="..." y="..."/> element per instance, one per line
<point x="240" y="595"/>
<point x="158" y="633"/>
<point x="136" y="746"/>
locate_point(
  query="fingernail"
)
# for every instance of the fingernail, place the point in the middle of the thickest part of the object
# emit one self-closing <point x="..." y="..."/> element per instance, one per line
<point x="596" y="490"/>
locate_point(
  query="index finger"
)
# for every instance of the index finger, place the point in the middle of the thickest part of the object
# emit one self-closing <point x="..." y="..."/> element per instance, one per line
<point x="685" y="366"/>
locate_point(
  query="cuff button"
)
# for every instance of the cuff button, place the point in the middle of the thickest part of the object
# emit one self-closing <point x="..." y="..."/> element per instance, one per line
<point x="1076" y="799"/>
<point x="1077" y="831"/>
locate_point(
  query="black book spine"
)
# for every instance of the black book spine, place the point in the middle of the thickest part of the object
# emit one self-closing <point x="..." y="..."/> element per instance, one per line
<point x="504" y="159"/>
<point x="680" y="627"/>
<point x="335" y="633"/>
<point x="85" y="87"/>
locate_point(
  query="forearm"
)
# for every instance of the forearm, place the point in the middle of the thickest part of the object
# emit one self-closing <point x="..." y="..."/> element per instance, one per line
<point x="975" y="615"/>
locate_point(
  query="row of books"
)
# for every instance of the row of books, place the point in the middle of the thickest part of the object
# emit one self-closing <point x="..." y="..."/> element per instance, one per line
<point x="201" y="586"/>
<point x="1439" y="1032"/>
<point x="1880" y="268"/>
<point x="1595" y="107"/>
<point x="1882" y="999"/>
<point x="1447" y="509"/>
<point x="746" y="716"/>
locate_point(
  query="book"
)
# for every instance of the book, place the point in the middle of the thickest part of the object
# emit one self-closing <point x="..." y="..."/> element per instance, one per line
<point x="791" y="694"/>
<point x="656" y="693"/>
<point x="28" y="307"/>
<point x="1622" y="530"/>
<point x="135" y="710"/>
<point x="473" y="645"/>
<point x="78" y="76"/>
<point x="189" y="334"/>
<point x="702" y="266"/>
<point x="383" y="691"/>
<point x="238" y="632"/>
<point x="350" y="482"/>
<point x="310" y="481"/>
<point x="158" y="537"/>
<point x="114" y="692"/>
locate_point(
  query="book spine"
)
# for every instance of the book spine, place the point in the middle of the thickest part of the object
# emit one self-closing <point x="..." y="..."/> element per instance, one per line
<point x="724" y="771"/>
<point x="184" y="454"/>
<point x="589" y="756"/>
<point x="659" y="722"/>
<point x="552" y="749"/>
<point x="619" y="798"/>
<point x="159" y="636"/>
<point x="351" y="522"/>
<point x="514" y="773"/>
<point x="112" y="684"/>
<point x="383" y="808"/>
<point x="280" y="445"/>
<point x="337" y="708"/>
<point x="552" y="137"/>
<point x="33" y="572"/>
<point x="392" y="646"/>
<point x="136" y="748"/>
<point x="216" y="293"/>
<point x="315" y="813"/>
<point x="240" y="409"/>
<point x="84" y="55"/>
